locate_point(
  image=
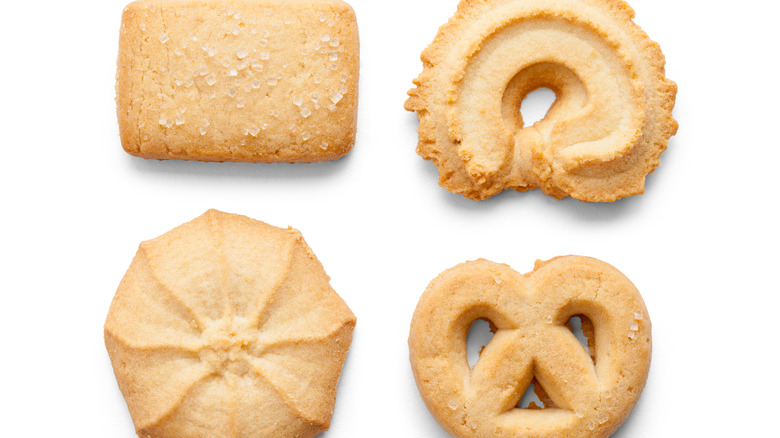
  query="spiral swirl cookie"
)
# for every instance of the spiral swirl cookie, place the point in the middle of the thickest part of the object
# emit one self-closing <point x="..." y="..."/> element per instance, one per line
<point x="227" y="327"/>
<point x="586" y="393"/>
<point x="604" y="134"/>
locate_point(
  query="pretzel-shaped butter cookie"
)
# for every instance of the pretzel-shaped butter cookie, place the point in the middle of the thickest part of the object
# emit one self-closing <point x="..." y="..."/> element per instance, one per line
<point x="585" y="395"/>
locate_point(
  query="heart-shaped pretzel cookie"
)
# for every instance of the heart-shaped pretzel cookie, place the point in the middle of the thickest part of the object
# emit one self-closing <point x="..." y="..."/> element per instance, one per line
<point x="587" y="395"/>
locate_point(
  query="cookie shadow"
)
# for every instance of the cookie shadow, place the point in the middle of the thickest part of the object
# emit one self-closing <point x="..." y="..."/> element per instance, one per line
<point x="631" y="427"/>
<point x="250" y="171"/>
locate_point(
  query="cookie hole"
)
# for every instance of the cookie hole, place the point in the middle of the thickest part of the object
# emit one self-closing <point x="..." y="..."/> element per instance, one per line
<point x="480" y="334"/>
<point x="536" y="105"/>
<point x="535" y="397"/>
<point x="582" y="328"/>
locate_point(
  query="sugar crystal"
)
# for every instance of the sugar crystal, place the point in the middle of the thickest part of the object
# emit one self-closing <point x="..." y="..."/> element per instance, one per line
<point x="239" y="103"/>
<point x="231" y="92"/>
<point x="305" y="136"/>
<point x="264" y="55"/>
<point x="634" y="326"/>
<point x="333" y="55"/>
<point x="256" y="83"/>
<point x="163" y="37"/>
<point x="273" y="80"/>
<point x="211" y="79"/>
<point x="242" y="53"/>
<point x="142" y="26"/>
<point x="638" y="315"/>
<point x="254" y="130"/>
<point x="334" y="42"/>
<point x="232" y="72"/>
<point x="236" y="30"/>
<point x="324" y="145"/>
<point x="336" y="97"/>
<point x="305" y="112"/>
<point x="179" y="119"/>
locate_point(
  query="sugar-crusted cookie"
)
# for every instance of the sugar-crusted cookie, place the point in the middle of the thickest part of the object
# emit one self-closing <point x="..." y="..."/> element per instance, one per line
<point x="586" y="393"/>
<point x="238" y="80"/>
<point x="603" y="135"/>
<point x="227" y="327"/>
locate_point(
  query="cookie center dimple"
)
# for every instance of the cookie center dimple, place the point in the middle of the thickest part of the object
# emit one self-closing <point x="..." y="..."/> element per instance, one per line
<point x="226" y="346"/>
<point x="531" y="94"/>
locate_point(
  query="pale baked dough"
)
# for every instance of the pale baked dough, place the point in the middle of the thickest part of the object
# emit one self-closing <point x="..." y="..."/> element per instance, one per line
<point x="227" y="327"/>
<point x="602" y="136"/>
<point x="238" y="80"/>
<point x="585" y="395"/>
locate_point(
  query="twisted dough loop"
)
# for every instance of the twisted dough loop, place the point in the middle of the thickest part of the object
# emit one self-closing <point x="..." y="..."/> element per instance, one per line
<point x="602" y="136"/>
<point x="530" y="313"/>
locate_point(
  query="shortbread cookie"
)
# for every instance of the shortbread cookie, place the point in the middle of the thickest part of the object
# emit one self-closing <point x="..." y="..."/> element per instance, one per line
<point x="586" y="394"/>
<point x="238" y="80"/>
<point x="227" y="327"/>
<point x="603" y="135"/>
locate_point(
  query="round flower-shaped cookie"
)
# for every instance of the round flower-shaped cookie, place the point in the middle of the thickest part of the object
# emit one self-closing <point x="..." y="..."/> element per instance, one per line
<point x="587" y="393"/>
<point x="604" y="134"/>
<point x="227" y="327"/>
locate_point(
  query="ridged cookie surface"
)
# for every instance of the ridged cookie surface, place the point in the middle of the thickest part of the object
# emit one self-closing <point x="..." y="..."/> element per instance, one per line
<point x="602" y="136"/>
<point x="238" y="80"/>
<point x="227" y="327"/>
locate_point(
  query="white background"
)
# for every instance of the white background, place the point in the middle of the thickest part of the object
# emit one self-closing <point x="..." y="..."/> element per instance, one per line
<point x="699" y="245"/>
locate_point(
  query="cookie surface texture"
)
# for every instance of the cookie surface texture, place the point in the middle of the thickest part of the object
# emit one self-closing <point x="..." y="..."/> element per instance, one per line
<point x="602" y="136"/>
<point x="227" y="327"/>
<point x="230" y="80"/>
<point x="586" y="393"/>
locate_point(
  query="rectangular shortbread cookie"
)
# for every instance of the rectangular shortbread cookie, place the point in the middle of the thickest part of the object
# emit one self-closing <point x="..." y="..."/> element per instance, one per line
<point x="238" y="80"/>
